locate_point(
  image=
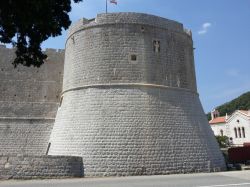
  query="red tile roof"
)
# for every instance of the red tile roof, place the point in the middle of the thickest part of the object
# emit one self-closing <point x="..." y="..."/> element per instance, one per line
<point x="218" y="120"/>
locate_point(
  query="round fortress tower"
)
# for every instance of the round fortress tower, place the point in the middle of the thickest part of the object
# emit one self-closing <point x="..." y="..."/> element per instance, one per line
<point x="129" y="104"/>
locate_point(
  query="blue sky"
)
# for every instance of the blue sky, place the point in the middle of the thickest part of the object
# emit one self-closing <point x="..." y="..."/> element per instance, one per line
<point x="221" y="34"/>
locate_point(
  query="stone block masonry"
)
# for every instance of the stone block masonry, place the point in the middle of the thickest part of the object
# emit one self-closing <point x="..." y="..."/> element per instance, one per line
<point x="37" y="167"/>
<point x="129" y="102"/>
<point x="25" y="136"/>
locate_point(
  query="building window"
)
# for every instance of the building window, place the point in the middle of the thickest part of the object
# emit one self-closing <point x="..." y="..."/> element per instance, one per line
<point x="156" y="46"/>
<point x="239" y="131"/>
<point x="221" y="132"/>
<point x="235" y="133"/>
<point x="243" y="132"/>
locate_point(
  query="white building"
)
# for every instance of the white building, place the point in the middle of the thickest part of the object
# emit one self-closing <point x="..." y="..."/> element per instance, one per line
<point x="235" y="126"/>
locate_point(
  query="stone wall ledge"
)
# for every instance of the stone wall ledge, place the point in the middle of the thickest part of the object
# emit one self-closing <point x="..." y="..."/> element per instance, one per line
<point x="110" y="85"/>
<point x="16" y="166"/>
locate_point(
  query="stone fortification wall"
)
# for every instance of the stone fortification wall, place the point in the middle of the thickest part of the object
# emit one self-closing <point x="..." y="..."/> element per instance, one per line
<point x="129" y="103"/>
<point x="32" y="167"/>
<point x="29" y="100"/>
<point x="29" y="92"/>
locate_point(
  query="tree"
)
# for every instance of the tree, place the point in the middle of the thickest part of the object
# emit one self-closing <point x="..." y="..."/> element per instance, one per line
<point x="27" y="23"/>
<point x="223" y="141"/>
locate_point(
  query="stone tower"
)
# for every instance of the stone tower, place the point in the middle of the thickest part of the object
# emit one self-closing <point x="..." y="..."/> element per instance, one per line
<point x="129" y="104"/>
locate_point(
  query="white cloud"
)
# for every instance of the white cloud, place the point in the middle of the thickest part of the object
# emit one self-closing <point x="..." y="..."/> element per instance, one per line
<point x="233" y="73"/>
<point x="204" y="28"/>
<point x="206" y="25"/>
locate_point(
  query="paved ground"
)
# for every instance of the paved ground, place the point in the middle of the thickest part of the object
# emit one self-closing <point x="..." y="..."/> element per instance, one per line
<point x="223" y="179"/>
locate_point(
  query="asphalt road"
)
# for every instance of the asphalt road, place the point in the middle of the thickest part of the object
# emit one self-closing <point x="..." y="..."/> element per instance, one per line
<point x="223" y="179"/>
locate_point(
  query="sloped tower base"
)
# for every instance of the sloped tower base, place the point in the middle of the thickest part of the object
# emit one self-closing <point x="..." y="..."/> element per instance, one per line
<point x="135" y="131"/>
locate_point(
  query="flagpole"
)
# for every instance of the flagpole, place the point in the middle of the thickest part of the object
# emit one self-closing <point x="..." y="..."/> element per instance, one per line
<point x="106" y="6"/>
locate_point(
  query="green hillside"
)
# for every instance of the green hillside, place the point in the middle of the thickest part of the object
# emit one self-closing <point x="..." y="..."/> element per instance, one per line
<point x="240" y="103"/>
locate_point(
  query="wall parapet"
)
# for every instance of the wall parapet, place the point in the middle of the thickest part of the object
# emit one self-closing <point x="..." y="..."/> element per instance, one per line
<point x="33" y="167"/>
<point x="126" y="18"/>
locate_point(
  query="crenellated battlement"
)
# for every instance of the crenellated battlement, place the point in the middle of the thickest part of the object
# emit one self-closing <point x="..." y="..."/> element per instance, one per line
<point x="127" y="18"/>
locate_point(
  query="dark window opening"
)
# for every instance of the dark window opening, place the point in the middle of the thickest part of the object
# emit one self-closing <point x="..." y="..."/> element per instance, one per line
<point x="133" y="57"/>
<point x="239" y="131"/>
<point x="235" y="132"/>
<point x="142" y="29"/>
<point x="243" y="132"/>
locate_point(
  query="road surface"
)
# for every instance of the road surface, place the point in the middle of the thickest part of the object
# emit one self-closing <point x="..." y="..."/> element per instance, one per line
<point x="223" y="179"/>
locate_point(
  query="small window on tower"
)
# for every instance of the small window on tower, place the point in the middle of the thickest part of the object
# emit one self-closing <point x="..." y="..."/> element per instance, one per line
<point x="133" y="57"/>
<point x="142" y="29"/>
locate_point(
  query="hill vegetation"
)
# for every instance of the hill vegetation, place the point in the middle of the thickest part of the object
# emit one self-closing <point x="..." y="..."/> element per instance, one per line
<point x="240" y="103"/>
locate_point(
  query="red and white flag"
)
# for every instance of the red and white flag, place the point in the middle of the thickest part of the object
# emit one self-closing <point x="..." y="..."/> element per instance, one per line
<point x="113" y="1"/>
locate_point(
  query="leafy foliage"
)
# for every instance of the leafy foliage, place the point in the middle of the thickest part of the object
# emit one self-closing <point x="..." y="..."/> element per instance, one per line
<point x="223" y="141"/>
<point x="240" y="103"/>
<point x="27" y="23"/>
